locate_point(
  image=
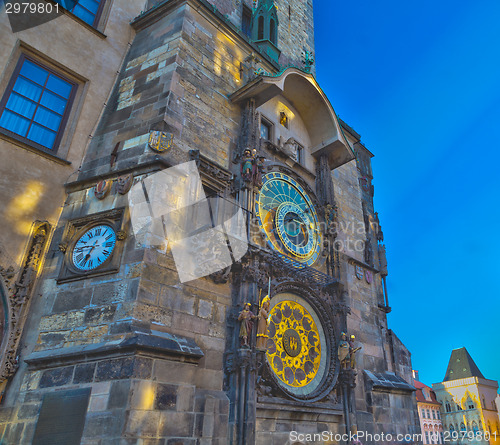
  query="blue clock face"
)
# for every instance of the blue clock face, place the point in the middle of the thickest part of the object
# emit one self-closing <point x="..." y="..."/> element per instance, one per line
<point x="287" y="216"/>
<point x="94" y="247"/>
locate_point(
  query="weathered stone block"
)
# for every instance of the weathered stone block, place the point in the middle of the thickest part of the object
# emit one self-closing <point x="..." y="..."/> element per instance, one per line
<point x="205" y="309"/>
<point x="115" y="292"/>
<point x="143" y="423"/>
<point x="119" y="394"/>
<point x="176" y="424"/>
<point x="28" y="411"/>
<point x="99" y="315"/>
<point x="84" y="373"/>
<point x="166" y="397"/>
<point x="53" y="322"/>
<point x="103" y="424"/>
<point x="70" y="300"/>
<point x="56" y="377"/>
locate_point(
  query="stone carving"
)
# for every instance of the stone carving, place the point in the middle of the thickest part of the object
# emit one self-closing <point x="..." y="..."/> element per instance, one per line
<point x="249" y="131"/>
<point x="221" y="276"/>
<point x="369" y="276"/>
<point x="102" y="188"/>
<point x="211" y="173"/>
<point x="378" y="229"/>
<point x="368" y="253"/>
<point x="19" y="294"/>
<point x="358" y="271"/>
<point x="246" y="318"/>
<point x="259" y="171"/>
<point x="124" y="183"/>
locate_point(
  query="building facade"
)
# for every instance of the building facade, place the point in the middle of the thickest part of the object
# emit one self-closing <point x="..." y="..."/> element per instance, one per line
<point x="429" y="412"/>
<point x="217" y="173"/>
<point x="469" y="411"/>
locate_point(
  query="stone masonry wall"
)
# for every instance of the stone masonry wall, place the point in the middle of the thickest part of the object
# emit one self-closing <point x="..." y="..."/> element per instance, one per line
<point x="136" y="396"/>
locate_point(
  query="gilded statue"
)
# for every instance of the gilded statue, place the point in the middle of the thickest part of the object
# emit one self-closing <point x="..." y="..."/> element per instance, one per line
<point x="263" y="322"/>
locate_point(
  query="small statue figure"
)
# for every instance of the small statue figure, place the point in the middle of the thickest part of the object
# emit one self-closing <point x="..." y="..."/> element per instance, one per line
<point x="378" y="229"/>
<point x="259" y="171"/>
<point x="352" y="352"/>
<point x="246" y="318"/>
<point x="343" y="351"/>
<point x="263" y="323"/>
<point x="368" y="254"/>
<point x="247" y="165"/>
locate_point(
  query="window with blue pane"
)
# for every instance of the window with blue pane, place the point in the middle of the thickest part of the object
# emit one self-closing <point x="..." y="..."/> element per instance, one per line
<point x="88" y="10"/>
<point x="36" y="104"/>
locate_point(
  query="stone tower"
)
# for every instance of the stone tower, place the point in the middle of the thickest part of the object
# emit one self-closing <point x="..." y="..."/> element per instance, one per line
<point x="467" y="399"/>
<point x="219" y="174"/>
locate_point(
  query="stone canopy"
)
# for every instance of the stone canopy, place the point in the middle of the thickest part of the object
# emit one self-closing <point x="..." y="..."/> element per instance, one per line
<point x="303" y="92"/>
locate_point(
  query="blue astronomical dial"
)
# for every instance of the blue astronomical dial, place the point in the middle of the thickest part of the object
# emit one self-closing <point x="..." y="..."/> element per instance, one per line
<point x="287" y="217"/>
<point x="94" y="247"/>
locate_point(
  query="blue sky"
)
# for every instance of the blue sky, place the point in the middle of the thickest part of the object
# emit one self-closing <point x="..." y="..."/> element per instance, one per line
<point x="421" y="83"/>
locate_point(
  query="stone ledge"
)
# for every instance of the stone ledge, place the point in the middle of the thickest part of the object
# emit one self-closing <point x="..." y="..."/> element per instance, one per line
<point x="288" y="408"/>
<point x="153" y="344"/>
<point x="387" y="382"/>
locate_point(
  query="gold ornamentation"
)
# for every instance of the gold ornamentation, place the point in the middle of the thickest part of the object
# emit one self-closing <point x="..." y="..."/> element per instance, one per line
<point x="293" y="347"/>
<point x="63" y="247"/>
<point x="160" y="141"/>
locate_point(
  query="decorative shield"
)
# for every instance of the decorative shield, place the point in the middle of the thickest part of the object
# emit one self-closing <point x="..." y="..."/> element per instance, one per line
<point x="160" y="141"/>
<point x="369" y="276"/>
<point x="102" y="188"/>
<point x="124" y="183"/>
<point x="359" y="272"/>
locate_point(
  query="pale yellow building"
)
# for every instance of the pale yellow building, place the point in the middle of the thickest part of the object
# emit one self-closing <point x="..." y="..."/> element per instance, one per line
<point x="469" y="411"/>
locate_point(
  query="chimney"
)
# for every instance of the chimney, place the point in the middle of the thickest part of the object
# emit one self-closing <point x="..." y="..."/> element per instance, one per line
<point x="415" y="374"/>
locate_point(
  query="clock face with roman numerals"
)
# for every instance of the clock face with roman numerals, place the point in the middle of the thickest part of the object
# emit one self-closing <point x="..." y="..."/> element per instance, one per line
<point x="94" y="247"/>
<point x="287" y="216"/>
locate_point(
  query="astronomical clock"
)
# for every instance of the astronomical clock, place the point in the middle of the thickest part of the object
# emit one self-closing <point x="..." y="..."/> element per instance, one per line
<point x="301" y="348"/>
<point x="287" y="217"/>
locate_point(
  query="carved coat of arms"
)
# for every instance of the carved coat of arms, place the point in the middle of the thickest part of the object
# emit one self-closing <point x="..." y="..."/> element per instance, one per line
<point x="359" y="272"/>
<point x="369" y="276"/>
<point x="160" y="141"/>
<point x="102" y="188"/>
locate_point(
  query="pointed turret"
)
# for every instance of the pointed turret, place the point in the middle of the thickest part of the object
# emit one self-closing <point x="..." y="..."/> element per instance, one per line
<point x="461" y="366"/>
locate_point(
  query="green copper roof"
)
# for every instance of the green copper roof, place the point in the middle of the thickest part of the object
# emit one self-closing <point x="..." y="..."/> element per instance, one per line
<point x="461" y="366"/>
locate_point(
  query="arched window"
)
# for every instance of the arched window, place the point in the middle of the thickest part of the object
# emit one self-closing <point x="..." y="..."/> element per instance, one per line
<point x="272" y="31"/>
<point x="452" y="428"/>
<point x="260" y="31"/>
<point x="462" y="427"/>
<point x="475" y="428"/>
<point x="448" y="407"/>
